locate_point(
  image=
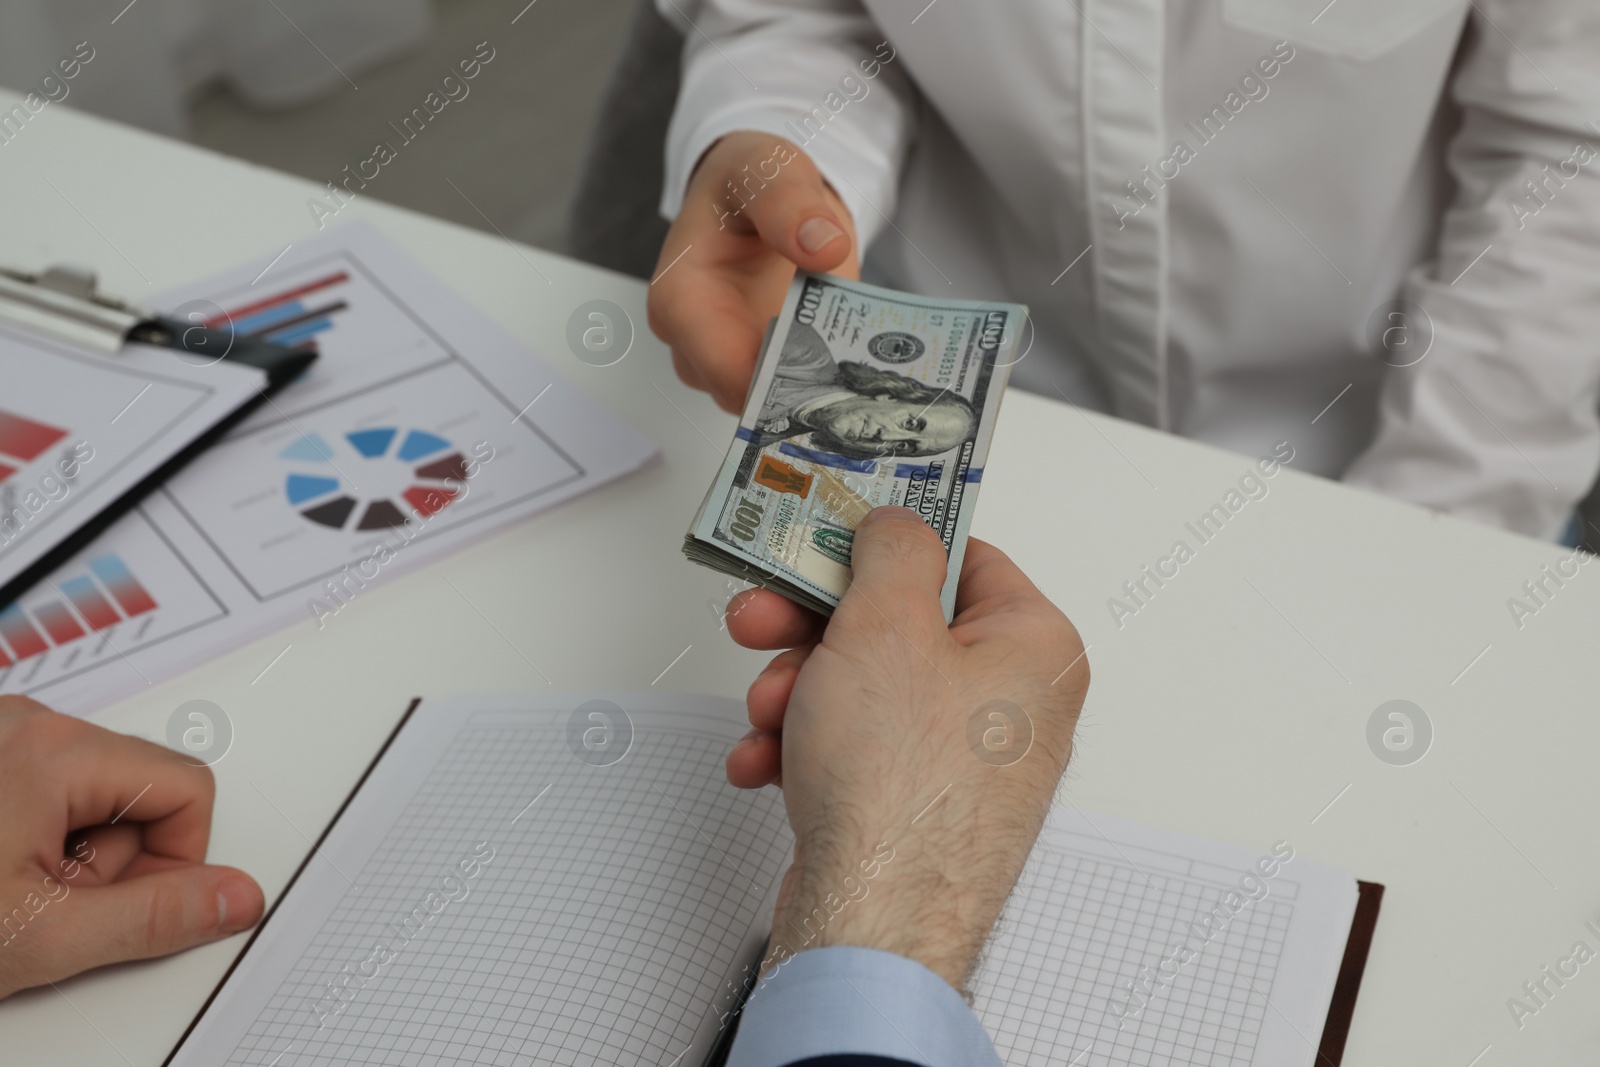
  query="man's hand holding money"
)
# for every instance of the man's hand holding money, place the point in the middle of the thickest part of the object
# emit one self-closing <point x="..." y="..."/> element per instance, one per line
<point x="895" y="735"/>
<point x="756" y="208"/>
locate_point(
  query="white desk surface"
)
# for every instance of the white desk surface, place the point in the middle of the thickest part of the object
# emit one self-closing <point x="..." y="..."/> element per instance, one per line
<point x="1220" y="709"/>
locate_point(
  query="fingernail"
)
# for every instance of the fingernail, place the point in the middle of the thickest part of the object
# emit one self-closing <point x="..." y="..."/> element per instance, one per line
<point x="884" y="512"/>
<point x="234" y="897"/>
<point x="816" y="232"/>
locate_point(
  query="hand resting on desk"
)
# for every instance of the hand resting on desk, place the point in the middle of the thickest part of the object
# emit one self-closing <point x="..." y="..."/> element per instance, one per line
<point x="102" y="850"/>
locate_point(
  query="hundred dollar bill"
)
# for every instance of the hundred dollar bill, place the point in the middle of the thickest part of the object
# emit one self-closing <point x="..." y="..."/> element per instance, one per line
<point x="863" y="397"/>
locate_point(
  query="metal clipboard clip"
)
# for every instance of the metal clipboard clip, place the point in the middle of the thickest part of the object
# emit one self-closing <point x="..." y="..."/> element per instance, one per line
<point x="63" y="304"/>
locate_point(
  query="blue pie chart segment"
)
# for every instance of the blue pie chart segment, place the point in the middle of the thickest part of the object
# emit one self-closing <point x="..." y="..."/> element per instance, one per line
<point x="303" y="487"/>
<point x="310" y="448"/>
<point x="419" y="443"/>
<point x="372" y="443"/>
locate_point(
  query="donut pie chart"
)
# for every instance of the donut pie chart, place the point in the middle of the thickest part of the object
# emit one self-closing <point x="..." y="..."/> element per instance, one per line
<point x="321" y="497"/>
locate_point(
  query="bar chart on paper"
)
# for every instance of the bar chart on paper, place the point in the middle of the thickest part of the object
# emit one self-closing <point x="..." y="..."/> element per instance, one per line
<point x="366" y="335"/>
<point x="129" y="591"/>
<point x="23" y="440"/>
<point x="292" y="317"/>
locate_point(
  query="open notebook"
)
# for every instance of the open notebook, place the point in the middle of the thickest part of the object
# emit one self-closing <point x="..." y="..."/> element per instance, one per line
<point x="501" y="889"/>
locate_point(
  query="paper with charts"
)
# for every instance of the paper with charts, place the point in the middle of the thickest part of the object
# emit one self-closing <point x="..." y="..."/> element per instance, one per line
<point x="78" y="429"/>
<point x="422" y="426"/>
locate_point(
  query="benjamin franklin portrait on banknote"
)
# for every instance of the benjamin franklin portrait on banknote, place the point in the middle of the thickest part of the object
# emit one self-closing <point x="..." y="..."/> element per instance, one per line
<point x="856" y="409"/>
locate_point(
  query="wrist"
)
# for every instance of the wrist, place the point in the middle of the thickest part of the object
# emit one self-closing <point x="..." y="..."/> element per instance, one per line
<point x="870" y="903"/>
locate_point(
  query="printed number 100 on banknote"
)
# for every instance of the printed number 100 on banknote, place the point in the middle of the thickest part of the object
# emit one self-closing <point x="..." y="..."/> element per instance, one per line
<point x="862" y="397"/>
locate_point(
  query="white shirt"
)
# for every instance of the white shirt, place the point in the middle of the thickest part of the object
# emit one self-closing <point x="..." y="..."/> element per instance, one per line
<point x="1254" y="285"/>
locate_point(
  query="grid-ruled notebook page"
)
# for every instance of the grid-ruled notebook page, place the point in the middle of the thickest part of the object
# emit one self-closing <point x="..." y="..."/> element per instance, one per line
<point x="1106" y="957"/>
<point x="495" y="894"/>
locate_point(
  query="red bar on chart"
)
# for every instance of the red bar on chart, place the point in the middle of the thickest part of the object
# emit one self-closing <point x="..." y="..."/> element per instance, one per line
<point x="94" y="607"/>
<point x="123" y="585"/>
<point x="6" y="472"/>
<point x="58" y="622"/>
<point x="5" y="660"/>
<point x="279" y="298"/>
<point x="25" y="438"/>
<point x="20" y="634"/>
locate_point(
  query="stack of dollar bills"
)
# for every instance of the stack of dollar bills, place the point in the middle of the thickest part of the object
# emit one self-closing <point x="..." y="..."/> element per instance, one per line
<point x="863" y="397"/>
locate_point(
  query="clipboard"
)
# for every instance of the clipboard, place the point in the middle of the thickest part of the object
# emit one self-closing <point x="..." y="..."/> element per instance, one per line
<point x="62" y="305"/>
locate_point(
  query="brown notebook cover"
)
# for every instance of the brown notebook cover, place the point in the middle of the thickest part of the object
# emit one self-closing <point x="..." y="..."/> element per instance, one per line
<point x="1343" y="1007"/>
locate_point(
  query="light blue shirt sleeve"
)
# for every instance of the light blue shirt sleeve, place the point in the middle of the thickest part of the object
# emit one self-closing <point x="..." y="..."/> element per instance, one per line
<point x="839" y="1000"/>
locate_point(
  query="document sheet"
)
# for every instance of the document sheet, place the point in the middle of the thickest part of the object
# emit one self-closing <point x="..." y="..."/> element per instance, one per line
<point x="421" y="427"/>
<point x="78" y="429"/>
